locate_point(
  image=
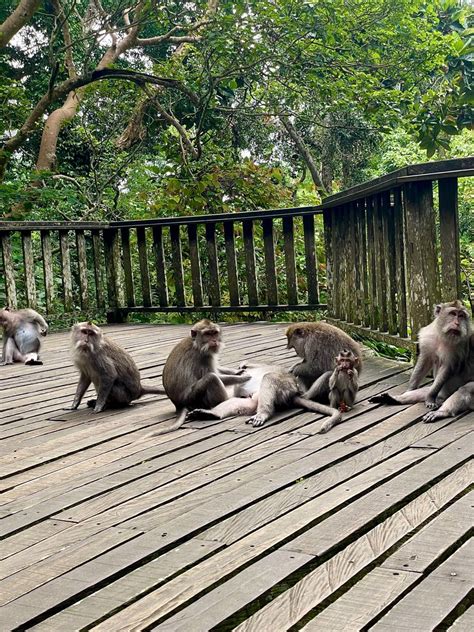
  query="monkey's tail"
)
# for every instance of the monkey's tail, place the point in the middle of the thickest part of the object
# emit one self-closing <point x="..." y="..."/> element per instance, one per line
<point x="148" y="390"/>
<point x="334" y="415"/>
<point x="180" y="419"/>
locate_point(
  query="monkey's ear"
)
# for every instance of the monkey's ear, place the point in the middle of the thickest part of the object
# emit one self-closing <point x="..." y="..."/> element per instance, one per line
<point x="193" y="333"/>
<point x="298" y="332"/>
<point x="437" y="309"/>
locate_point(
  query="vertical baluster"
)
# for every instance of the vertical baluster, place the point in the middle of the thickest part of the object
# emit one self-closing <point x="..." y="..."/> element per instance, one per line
<point x="98" y="268"/>
<point x="372" y="264"/>
<point x="336" y="249"/>
<point x="389" y="260"/>
<point x="160" y="266"/>
<point x="196" y="279"/>
<point x="399" y="232"/>
<point x="358" y="263"/>
<point x="311" y="260"/>
<point x="290" y="263"/>
<point x="143" y="259"/>
<point x="422" y="261"/>
<point x="214" y="283"/>
<point x="353" y="271"/>
<point x="127" y="267"/>
<point x="177" y="263"/>
<point x="328" y="246"/>
<point x="270" y="271"/>
<point x="250" y="265"/>
<point x="449" y="239"/>
<point x="363" y="246"/>
<point x="66" y="270"/>
<point x="48" y="269"/>
<point x="231" y="263"/>
<point x="381" y="281"/>
<point x="29" y="262"/>
<point x="10" y="286"/>
<point x="111" y="267"/>
<point x="82" y="265"/>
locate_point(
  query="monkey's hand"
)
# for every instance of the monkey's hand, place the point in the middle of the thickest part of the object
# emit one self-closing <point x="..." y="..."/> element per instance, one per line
<point x="294" y="369"/>
<point x="71" y="407"/>
<point x="343" y="407"/>
<point x="383" y="398"/>
<point x="433" y="416"/>
<point x="257" y="420"/>
<point x="431" y="403"/>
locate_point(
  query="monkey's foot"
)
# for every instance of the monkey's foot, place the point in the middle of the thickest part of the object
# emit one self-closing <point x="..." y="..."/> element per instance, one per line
<point x="383" y="398"/>
<point x="6" y="363"/>
<point x="34" y="362"/>
<point x="91" y="403"/>
<point x="434" y="415"/>
<point x="202" y="414"/>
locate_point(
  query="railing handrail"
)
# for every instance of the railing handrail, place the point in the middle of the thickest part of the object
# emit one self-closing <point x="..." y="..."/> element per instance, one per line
<point x="453" y="168"/>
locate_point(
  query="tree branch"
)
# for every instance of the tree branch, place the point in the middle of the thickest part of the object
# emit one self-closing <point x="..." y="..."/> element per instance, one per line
<point x="16" y="20"/>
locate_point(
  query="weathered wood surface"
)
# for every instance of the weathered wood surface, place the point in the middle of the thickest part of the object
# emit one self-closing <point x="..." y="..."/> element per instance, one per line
<point x="220" y="525"/>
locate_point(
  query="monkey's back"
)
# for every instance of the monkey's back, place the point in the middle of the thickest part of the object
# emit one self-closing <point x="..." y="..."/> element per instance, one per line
<point x="184" y="366"/>
<point x="327" y="341"/>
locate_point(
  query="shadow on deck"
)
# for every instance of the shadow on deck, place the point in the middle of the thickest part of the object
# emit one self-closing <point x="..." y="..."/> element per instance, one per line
<point x="220" y="525"/>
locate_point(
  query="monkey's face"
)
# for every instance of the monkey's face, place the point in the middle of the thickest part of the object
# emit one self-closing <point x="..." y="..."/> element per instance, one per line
<point x="453" y="321"/>
<point x="86" y="336"/>
<point x="296" y="341"/>
<point x="208" y="340"/>
<point x="345" y="361"/>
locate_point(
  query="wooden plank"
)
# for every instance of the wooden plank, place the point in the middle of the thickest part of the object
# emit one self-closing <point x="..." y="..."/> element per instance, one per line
<point x="144" y="272"/>
<point x="388" y="228"/>
<point x="231" y="260"/>
<point x="290" y="261"/>
<point x="372" y="264"/>
<point x="381" y="587"/>
<point x="111" y="245"/>
<point x="379" y="248"/>
<point x="196" y="279"/>
<point x="310" y="259"/>
<point x="98" y="268"/>
<point x="214" y="289"/>
<point x="337" y="258"/>
<point x="362" y="239"/>
<point x="66" y="270"/>
<point x="160" y="268"/>
<point x="270" y="269"/>
<point x="401" y="290"/>
<point x="351" y="262"/>
<point x="449" y="239"/>
<point x="127" y="266"/>
<point x="82" y="269"/>
<point x="10" y="286"/>
<point x="48" y="269"/>
<point x="250" y="265"/>
<point x="29" y="263"/>
<point x="177" y="265"/>
<point x="428" y="604"/>
<point x="464" y="623"/>
<point x="421" y="253"/>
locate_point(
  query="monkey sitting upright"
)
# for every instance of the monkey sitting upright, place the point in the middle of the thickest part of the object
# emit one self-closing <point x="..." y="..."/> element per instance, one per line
<point x="192" y="376"/>
<point x="344" y="382"/>
<point x="22" y="331"/>
<point x="319" y="344"/>
<point x="446" y="348"/>
<point x="110" y="368"/>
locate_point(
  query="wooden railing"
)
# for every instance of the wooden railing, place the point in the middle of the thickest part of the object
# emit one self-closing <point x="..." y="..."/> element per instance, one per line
<point x="378" y="256"/>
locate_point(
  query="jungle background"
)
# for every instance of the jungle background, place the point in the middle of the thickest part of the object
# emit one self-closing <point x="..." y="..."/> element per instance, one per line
<point x="114" y="109"/>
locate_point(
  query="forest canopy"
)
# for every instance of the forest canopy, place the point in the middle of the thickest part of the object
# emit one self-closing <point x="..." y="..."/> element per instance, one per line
<point x="113" y="109"/>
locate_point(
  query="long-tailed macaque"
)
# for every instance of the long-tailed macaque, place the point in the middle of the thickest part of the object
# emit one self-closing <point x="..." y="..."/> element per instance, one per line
<point x="22" y="331"/>
<point x="192" y="376"/>
<point x="110" y="368"/>
<point x="319" y="344"/>
<point x="344" y="382"/>
<point x="446" y="348"/>
<point x="270" y="388"/>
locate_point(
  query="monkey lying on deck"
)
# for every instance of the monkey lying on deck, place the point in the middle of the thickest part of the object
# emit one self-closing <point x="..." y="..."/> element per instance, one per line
<point x="22" y="331"/>
<point x="446" y="348"/>
<point x="110" y="368"/>
<point x="270" y="388"/>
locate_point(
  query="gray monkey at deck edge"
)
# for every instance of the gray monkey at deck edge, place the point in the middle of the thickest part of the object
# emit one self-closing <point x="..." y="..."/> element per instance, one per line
<point x="22" y="331"/>
<point x="110" y="368"/>
<point x="446" y="348"/>
<point x="192" y="376"/>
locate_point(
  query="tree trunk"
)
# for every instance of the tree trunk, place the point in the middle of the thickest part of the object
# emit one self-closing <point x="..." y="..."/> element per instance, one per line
<point x="304" y="153"/>
<point x="14" y="22"/>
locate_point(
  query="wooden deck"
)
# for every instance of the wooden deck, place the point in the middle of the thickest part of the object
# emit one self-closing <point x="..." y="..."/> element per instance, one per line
<point x="223" y="526"/>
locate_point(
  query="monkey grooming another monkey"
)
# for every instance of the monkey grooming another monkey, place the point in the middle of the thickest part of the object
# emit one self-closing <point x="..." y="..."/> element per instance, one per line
<point x="319" y="344"/>
<point x="270" y="388"/>
<point x="110" y="368"/>
<point x="446" y="348"/>
<point x="344" y="382"/>
<point x="22" y="331"/>
<point x="192" y="376"/>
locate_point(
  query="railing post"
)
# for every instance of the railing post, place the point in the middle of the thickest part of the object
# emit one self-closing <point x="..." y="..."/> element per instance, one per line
<point x="196" y="278"/>
<point x="214" y="289"/>
<point x="29" y="263"/>
<point x="48" y="269"/>
<point x="449" y="239"/>
<point x="250" y="265"/>
<point x="328" y="247"/>
<point x="310" y="259"/>
<point x="232" y="273"/>
<point x="422" y="263"/>
<point x="127" y="267"/>
<point x="112" y="261"/>
<point x="66" y="270"/>
<point x="10" y="287"/>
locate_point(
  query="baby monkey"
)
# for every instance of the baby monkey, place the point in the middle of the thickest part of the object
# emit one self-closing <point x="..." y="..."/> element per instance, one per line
<point x="344" y="381"/>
